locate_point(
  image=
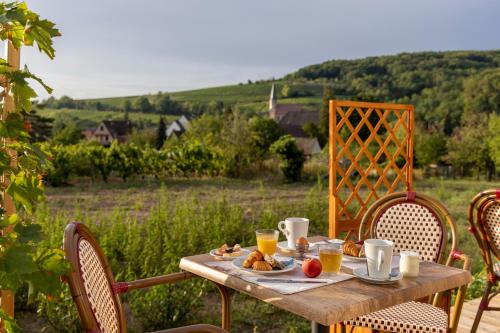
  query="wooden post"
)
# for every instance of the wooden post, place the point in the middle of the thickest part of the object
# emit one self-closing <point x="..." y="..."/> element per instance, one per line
<point x="13" y="57"/>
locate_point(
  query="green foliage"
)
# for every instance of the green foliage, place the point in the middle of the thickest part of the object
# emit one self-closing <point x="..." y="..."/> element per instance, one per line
<point x="494" y="139"/>
<point x="430" y="148"/>
<point x="68" y="135"/>
<point x="22" y="261"/>
<point x="324" y="115"/>
<point x="482" y="94"/>
<point x="264" y="132"/>
<point x="161" y="134"/>
<point x="142" y="104"/>
<point x="291" y="157"/>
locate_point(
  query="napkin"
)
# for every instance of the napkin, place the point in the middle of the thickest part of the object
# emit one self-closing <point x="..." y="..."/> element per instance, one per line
<point x="282" y="288"/>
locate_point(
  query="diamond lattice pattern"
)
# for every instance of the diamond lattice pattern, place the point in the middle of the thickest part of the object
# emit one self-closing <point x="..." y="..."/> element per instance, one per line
<point x="371" y="154"/>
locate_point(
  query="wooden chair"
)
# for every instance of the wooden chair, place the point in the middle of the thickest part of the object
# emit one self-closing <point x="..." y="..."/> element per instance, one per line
<point x="95" y="292"/>
<point x="484" y="221"/>
<point x="419" y="223"/>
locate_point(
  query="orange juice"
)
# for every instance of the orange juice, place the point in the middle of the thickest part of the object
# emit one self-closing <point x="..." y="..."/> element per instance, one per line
<point x="331" y="260"/>
<point x="266" y="244"/>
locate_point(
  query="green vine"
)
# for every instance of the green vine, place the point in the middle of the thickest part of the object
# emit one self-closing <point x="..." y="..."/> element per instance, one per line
<point x="22" y="260"/>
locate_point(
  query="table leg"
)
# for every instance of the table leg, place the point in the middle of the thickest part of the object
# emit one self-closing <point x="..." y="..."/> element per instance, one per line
<point x="225" y="307"/>
<point x="318" y="328"/>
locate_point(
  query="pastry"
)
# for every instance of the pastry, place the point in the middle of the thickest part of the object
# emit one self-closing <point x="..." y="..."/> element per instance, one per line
<point x="352" y="249"/>
<point x="253" y="257"/>
<point x="261" y="265"/>
<point x="276" y="264"/>
<point x="229" y="251"/>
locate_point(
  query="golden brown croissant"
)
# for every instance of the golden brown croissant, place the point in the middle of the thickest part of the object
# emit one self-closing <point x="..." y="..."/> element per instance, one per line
<point x="261" y="266"/>
<point x="253" y="257"/>
<point x="351" y="248"/>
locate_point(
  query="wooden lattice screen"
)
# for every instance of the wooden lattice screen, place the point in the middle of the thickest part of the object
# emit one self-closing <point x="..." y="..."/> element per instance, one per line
<point x="371" y="154"/>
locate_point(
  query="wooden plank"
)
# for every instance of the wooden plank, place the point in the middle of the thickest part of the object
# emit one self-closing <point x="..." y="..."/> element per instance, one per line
<point x="490" y="321"/>
<point x="13" y="57"/>
<point x="340" y="301"/>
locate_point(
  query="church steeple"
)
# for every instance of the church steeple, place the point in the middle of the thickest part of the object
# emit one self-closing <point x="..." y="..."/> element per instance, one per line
<point x="273" y="100"/>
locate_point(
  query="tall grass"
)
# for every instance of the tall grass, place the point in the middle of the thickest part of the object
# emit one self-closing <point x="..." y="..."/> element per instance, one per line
<point x="177" y="226"/>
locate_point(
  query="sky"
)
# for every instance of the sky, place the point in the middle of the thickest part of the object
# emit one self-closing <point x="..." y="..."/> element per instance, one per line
<point x="125" y="47"/>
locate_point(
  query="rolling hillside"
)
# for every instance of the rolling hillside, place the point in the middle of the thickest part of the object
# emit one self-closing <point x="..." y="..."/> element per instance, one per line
<point x="433" y="81"/>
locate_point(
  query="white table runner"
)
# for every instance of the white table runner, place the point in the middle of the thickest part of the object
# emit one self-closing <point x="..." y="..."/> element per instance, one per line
<point x="282" y="288"/>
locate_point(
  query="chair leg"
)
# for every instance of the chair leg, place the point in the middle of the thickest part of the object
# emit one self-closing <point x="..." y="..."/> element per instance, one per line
<point x="226" y="307"/>
<point x="483" y="305"/>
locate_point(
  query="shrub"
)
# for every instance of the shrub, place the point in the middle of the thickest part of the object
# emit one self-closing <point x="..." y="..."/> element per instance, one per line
<point x="291" y="157"/>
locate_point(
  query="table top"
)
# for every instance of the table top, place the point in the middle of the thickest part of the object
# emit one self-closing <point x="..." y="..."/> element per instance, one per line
<point x="341" y="301"/>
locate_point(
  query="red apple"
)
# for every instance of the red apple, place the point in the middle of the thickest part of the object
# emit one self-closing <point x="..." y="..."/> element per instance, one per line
<point x="311" y="267"/>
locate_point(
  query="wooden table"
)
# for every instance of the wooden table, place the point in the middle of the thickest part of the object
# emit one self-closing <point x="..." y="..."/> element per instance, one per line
<point x="337" y="302"/>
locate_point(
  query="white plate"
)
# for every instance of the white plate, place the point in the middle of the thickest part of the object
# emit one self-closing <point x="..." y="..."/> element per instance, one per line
<point x="362" y="274"/>
<point x="238" y="263"/>
<point x="283" y="246"/>
<point x="354" y="259"/>
<point x="244" y="253"/>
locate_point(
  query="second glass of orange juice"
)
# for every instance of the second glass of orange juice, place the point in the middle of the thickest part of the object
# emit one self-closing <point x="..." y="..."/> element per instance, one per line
<point x="267" y="240"/>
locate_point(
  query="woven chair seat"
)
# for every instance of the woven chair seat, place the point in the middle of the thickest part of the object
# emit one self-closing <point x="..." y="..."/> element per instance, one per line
<point x="405" y="318"/>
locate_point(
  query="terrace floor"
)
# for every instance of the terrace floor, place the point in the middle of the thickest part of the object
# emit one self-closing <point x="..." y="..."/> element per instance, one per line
<point x="490" y="321"/>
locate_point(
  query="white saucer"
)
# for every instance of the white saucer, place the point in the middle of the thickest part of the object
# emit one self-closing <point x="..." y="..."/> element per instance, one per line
<point x="354" y="259"/>
<point x="362" y="274"/>
<point x="213" y="253"/>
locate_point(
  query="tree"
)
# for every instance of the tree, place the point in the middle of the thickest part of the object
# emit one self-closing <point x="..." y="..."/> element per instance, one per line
<point x="161" y="134"/>
<point x="40" y="128"/>
<point x="143" y="105"/>
<point x="313" y="131"/>
<point x="264" y="132"/>
<point x="482" y="94"/>
<point x="430" y="148"/>
<point x="324" y="114"/>
<point x="290" y="156"/>
<point x="68" y="135"/>
<point x="468" y="148"/>
<point x="127" y="105"/>
<point x="285" y="91"/>
<point x="494" y="140"/>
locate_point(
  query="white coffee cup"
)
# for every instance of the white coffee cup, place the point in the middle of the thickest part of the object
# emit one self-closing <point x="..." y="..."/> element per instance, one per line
<point x="294" y="228"/>
<point x="409" y="263"/>
<point x="379" y="257"/>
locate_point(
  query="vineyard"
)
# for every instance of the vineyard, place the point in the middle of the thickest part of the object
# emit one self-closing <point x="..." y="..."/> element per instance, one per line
<point x="89" y="159"/>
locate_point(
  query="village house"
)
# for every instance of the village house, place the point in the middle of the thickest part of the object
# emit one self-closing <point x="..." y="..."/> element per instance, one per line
<point x="177" y="127"/>
<point x="291" y="118"/>
<point x="109" y="130"/>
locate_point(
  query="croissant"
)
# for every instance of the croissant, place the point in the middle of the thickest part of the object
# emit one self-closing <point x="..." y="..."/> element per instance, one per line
<point x="261" y="265"/>
<point x="253" y="257"/>
<point x="273" y="262"/>
<point x="351" y="248"/>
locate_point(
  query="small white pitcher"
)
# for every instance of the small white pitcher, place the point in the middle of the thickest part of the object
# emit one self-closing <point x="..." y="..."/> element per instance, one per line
<point x="379" y="257"/>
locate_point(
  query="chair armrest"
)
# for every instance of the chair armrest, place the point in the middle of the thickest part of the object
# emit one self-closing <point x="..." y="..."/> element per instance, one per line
<point x="123" y="287"/>
<point x="200" y="328"/>
<point x="459" y="256"/>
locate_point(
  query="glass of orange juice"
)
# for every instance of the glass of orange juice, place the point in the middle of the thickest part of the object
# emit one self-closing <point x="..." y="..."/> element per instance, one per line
<point x="267" y="240"/>
<point x="330" y="256"/>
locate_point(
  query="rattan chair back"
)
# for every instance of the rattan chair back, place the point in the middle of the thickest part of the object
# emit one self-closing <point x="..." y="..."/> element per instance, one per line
<point x="484" y="216"/>
<point x="413" y="221"/>
<point x="91" y="282"/>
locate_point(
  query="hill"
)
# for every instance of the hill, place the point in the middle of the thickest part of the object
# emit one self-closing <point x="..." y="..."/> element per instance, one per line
<point x="432" y="81"/>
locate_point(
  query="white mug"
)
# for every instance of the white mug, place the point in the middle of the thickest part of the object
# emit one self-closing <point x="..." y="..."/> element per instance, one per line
<point x="409" y="263"/>
<point x="379" y="257"/>
<point x="294" y="228"/>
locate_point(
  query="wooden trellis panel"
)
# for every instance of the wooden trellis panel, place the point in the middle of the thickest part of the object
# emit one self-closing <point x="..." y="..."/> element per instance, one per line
<point x="371" y="154"/>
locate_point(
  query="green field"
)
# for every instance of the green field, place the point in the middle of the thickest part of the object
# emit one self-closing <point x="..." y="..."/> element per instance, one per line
<point x="232" y="94"/>
<point x="88" y="118"/>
